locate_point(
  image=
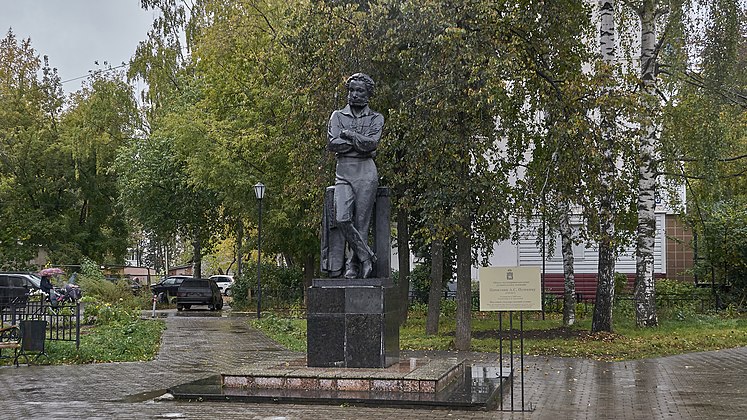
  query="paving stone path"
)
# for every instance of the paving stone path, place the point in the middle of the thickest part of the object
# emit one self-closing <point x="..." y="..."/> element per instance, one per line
<point x="710" y="385"/>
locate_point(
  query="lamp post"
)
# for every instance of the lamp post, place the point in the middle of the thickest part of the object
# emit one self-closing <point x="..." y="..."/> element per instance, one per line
<point x="259" y="191"/>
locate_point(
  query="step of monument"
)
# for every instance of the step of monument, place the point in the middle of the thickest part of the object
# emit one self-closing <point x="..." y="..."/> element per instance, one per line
<point x="481" y="387"/>
<point x="409" y="375"/>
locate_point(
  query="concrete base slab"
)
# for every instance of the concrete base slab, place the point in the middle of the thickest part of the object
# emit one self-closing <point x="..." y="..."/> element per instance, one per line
<point x="415" y="383"/>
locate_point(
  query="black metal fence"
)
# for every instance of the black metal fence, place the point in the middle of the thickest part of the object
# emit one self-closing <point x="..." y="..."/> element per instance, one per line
<point x="664" y="301"/>
<point x="292" y="299"/>
<point x="554" y="303"/>
<point x="421" y="297"/>
<point x="63" y="321"/>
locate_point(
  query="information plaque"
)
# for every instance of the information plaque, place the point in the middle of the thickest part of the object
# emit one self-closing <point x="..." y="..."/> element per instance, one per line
<point x="510" y="289"/>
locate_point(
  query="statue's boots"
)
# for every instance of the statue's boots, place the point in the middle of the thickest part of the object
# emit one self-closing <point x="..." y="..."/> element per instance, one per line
<point x="352" y="268"/>
<point x="367" y="268"/>
<point x="362" y="269"/>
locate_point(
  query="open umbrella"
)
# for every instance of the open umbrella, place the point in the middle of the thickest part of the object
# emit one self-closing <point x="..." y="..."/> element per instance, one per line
<point x="52" y="271"/>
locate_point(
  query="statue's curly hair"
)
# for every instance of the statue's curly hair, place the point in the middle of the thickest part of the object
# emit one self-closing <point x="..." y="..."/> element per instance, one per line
<point x="366" y="79"/>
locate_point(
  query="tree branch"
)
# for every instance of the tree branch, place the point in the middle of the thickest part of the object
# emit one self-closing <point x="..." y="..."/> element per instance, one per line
<point x="686" y="176"/>
<point x="695" y="79"/>
<point x="686" y="159"/>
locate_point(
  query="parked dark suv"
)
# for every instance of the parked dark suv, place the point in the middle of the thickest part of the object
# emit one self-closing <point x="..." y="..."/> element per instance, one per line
<point x="166" y="289"/>
<point x="16" y="286"/>
<point x="31" y="280"/>
<point x="13" y="290"/>
<point x="199" y="292"/>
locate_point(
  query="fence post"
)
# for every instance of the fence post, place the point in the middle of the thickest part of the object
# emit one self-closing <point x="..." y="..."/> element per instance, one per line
<point x="77" y="326"/>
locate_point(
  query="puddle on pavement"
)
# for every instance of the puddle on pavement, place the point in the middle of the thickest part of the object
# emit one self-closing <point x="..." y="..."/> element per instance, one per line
<point x="197" y="313"/>
<point x="143" y="396"/>
<point x="468" y="392"/>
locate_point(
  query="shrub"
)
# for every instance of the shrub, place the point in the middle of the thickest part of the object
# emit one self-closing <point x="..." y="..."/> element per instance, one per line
<point x="420" y="282"/>
<point x="93" y="283"/>
<point x="240" y="289"/>
<point x="723" y="245"/>
<point x="680" y="299"/>
<point x="553" y="303"/>
<point x="420" y="309"/>
<point x="104" y="313"/>
<point x="448" y="308"/>
<point x="105" y="290"/>
<point x="624" y="307"/>
<point x="621" y="284"/>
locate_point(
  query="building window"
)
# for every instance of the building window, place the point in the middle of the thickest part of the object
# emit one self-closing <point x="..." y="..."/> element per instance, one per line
<point x="579" y="248"/>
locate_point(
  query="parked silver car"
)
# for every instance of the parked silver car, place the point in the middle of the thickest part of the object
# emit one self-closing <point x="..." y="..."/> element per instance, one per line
<point x="224" y="282"/>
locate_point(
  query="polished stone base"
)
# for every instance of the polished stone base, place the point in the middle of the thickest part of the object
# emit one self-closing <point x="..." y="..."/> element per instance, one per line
<point x="407" y="376"/>
<point x="352" y="323"/>
<point x="417" y="383"/>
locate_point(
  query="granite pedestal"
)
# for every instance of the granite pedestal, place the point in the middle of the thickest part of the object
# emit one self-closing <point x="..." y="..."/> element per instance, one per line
<point x="447" y="383"/>
<point x="352" y="323"/>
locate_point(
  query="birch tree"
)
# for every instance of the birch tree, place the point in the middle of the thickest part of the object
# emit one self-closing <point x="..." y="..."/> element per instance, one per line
<point x="602" y="318"/>
<point x="569" y="278"/>
<point x="645" y="299"/>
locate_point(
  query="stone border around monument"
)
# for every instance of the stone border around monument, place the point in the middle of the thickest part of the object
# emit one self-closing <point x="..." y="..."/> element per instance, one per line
<point x="412" y="383"/>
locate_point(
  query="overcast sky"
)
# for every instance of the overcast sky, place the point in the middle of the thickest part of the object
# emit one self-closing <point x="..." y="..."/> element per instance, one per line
<point x="76" y="33"/>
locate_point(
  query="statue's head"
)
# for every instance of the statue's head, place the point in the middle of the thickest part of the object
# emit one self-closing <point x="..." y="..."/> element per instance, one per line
<point x="360" y="88"/>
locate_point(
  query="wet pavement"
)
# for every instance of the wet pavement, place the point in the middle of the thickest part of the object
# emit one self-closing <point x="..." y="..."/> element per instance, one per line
<point x="709" y="385"/>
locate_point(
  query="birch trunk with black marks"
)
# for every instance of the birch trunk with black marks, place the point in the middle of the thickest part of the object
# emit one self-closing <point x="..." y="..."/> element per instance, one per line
<point x="602" y="319"/>
<point x="645" y="300"/>
<point x="437" y="281"/>
<point x="569" y="291"/>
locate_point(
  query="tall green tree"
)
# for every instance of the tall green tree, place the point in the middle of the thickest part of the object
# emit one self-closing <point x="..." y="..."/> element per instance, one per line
<point x="602" y="319"/>
<point x="164" y="63"/>
<point x="158" y="194"/>
<point x="649" y="14"/>
<point x="704" y="126"/>
<point x="99" y="119"/>
<point x="444" y="132"/>
<point x="58" y="192"/>
<point x="254" y="129"/>
<point x="555" y="178"/>
<point x="34" y="170"/>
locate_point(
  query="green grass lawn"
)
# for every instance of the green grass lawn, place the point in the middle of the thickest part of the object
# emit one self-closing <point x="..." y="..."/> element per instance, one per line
<point x="115" y="342"/>
<point x="548" y="337"/>
<point x="674" y="335"/>
<point x="128" y="341"/>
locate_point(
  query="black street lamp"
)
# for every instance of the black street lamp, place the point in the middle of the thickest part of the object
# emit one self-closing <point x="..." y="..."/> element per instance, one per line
<point x="259" y="191"/>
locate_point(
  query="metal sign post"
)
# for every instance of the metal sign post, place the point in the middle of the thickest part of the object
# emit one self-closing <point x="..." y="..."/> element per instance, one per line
<point x="505" y="290"/>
